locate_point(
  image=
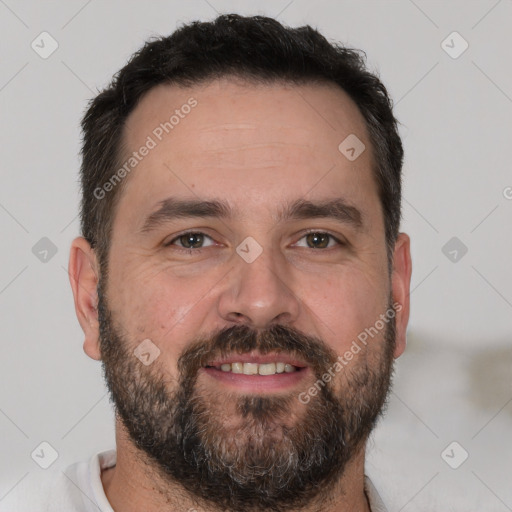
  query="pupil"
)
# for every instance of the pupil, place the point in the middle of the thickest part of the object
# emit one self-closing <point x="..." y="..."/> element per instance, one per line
<point x="318" y="240"/>
<point x="192" y="240"/>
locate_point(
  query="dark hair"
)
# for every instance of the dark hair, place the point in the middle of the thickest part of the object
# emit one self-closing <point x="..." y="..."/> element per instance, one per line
<point x="256" y="48"/>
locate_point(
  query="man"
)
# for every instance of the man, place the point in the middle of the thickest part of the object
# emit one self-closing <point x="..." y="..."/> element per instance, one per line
<point x="241" y="274"/>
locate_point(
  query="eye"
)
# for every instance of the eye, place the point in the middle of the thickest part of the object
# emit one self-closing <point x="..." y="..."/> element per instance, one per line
<point x="319" y="240"/>
<point x="191" y="240"/>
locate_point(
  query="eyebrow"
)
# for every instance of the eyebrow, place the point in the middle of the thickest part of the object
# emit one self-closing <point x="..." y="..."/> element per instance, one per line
<point x="338" y="209"/>
<point x="173" y="208"/>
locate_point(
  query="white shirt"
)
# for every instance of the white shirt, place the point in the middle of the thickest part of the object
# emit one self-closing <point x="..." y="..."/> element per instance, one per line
<point x="79" y="489"/>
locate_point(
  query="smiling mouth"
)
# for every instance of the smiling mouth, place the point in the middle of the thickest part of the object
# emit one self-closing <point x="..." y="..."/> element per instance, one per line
<point x="272" y="368"/>
<point x="257" y="373"/>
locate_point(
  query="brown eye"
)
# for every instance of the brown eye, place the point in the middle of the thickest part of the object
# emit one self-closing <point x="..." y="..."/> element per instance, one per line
<point x="191" y="240"/>
<point x="318" y="240"/>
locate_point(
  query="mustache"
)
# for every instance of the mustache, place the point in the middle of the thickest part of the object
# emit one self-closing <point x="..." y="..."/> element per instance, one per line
<point x="241" y="339"/>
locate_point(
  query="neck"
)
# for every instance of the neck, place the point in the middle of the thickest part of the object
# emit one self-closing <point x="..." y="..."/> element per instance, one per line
<point x="134" y="484"/>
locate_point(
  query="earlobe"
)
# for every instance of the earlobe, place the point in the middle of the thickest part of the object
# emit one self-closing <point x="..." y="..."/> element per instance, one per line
<point x="83" y="276"/>
<point x="400" y="285"/>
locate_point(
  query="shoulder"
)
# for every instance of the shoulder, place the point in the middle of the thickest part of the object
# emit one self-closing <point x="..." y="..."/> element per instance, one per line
<point x="374" y="499"/>
<point x="73" y="489"/>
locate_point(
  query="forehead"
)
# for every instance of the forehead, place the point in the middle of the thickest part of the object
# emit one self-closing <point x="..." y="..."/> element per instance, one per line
<point x="250" y="143"/>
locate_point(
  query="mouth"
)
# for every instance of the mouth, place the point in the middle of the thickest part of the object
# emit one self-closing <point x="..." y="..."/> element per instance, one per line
<point x="257" y="373"/>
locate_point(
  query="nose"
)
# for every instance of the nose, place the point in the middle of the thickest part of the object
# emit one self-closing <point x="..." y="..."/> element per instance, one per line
<point x="259" y="294"/>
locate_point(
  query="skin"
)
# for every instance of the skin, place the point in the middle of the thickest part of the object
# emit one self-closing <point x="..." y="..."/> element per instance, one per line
<point x="256" y="147"/>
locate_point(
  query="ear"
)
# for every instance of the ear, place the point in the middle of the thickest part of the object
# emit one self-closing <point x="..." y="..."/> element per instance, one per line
<point x="83" y="276"/>
<point x="400" y="287"/>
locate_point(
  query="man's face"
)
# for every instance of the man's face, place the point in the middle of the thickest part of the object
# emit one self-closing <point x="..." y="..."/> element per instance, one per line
<point x="268" y="278"/>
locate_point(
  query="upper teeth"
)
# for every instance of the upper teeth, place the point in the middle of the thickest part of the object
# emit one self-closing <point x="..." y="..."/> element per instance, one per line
<point x="258" y="369"/>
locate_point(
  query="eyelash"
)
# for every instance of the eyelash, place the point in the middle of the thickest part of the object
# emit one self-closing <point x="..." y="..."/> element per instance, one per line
<point x="199" y="250"/>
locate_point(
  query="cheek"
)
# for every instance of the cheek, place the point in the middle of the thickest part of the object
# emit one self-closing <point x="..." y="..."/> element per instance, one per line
<point x="346" y="305"/>
<point x="153" y="304"/>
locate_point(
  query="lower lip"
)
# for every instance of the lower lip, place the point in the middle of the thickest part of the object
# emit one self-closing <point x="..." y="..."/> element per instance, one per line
<point x="258" y="383"/>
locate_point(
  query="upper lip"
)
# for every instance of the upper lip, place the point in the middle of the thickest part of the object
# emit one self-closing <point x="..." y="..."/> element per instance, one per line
<point x="255" y="357"/>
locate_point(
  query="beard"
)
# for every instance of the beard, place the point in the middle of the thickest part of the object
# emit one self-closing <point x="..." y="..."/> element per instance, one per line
<point x="253" y="452"/>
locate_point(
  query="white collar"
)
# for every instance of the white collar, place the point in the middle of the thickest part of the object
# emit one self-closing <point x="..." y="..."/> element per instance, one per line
<point x="376" y="503"/>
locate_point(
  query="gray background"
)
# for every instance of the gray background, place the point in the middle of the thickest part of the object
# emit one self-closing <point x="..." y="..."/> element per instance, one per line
<point x="454" y="381"/>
